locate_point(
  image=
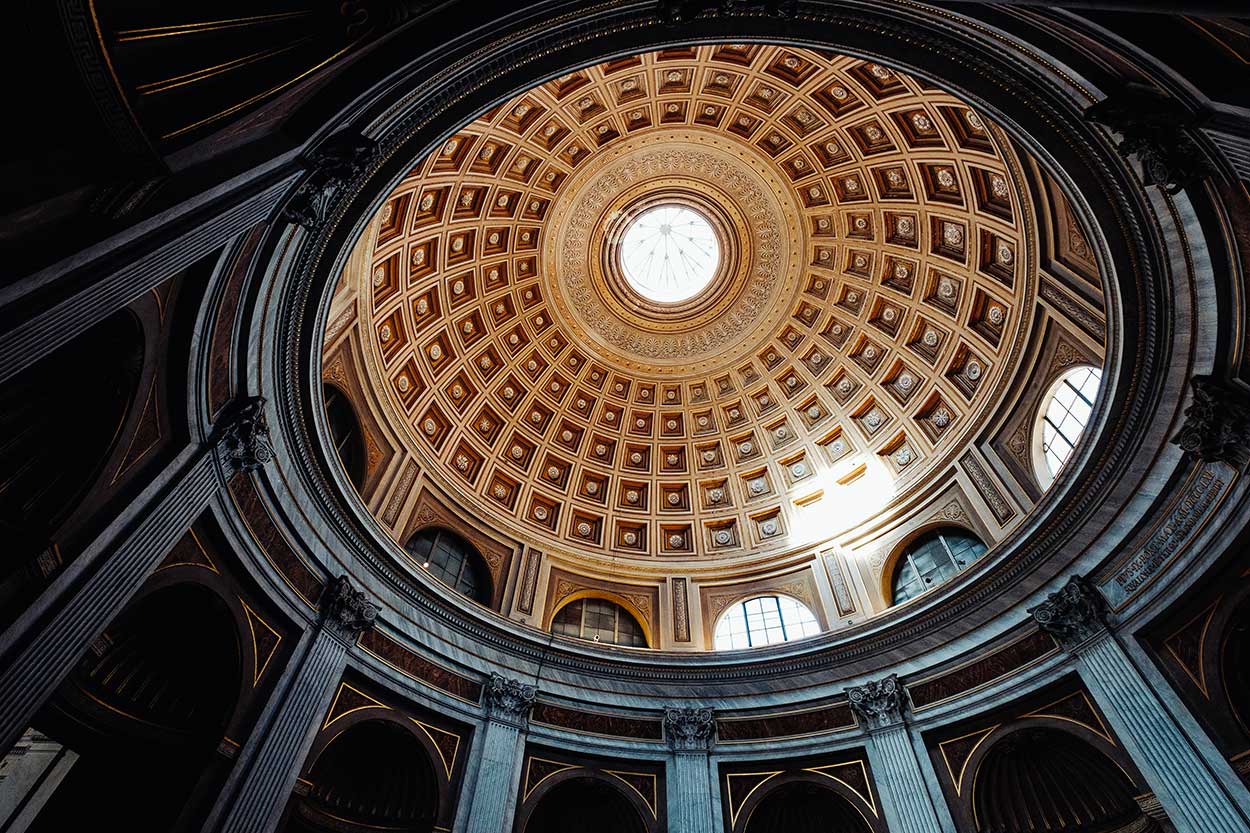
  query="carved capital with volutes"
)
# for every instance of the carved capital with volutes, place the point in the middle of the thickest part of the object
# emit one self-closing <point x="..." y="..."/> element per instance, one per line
<point x="347" y="611"/>
<point x="339" y="160"/>
<point x="1073" y="614"/>
<point x="243" y="441"/>
<point x="1217" y="423"/>
<point x="689" y="729"/>
<point x="879" y="703"/>
<point x="508" y="701"/>
<point x="1155" y="128"/>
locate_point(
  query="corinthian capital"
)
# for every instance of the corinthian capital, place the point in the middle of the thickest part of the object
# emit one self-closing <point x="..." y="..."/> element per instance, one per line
<point x="1217" y="423"/>
<point x="244" y="440"/>
<point x="509" y="701"/>
<point x="1073" y="613"/>
<point x="689" y="729"/>
<point x="347" y="610"/>
<point x="878" y="703"/>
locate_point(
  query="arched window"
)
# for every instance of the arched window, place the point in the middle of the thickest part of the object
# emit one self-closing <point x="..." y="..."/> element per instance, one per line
<point x="453" y="561"/>
<point x="764" y="620"/>
<point x="1065" y="414"/>
<point x="600" y="621"/>
<point x="345" y="432"/>
<point x="933" y="558"/>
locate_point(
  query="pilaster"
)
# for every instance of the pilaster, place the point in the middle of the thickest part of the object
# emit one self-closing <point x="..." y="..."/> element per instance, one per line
<point x="491" y="795"/>
<point x="909" y="806"/>
<point x="254" y="797"/>
<point x="691" y="783"/>
<point x="1193" y="798"/>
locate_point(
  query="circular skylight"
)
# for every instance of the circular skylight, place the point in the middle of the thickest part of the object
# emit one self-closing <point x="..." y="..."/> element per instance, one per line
<point x="669" y="254"/>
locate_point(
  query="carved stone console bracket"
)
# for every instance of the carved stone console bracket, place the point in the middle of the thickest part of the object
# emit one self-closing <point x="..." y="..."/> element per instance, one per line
<point x="509" y="701"/>
<point x="1073" y="614"/>
<point x="879" y="704"/>
<point x="1156" y="129"/>
<point x="1217" y="423"/>
<point x="347" y="611"/>
<point x="338" y="160"/>
<point x="689" y="729"/>
<point x="243" y="440"/>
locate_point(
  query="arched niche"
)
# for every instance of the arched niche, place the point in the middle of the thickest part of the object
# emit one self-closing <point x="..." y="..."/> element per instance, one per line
<point x="374" y="774"/>
<point x="60" y="421"/>
<point x="449" y="557"/>
<point x="622" y="607"/>
<point x="145" y="712"/>
<point x="1046" y="778"/>
<point x="584" y="801"/>
<point x="346" y="434"/>
<point x="805" y="803"/>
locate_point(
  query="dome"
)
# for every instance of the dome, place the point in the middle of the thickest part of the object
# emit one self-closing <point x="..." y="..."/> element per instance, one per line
<point x="690" y="416"/>
<point x="849" y="313"/>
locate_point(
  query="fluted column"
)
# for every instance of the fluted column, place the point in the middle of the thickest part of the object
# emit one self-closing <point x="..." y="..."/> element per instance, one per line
<point x="690" y="784"/>
<point x="116" y="567"/>
<point x="491" y="798"/>
<point x="1193" y="797"/>
<point x="254" y="797"/>
<point x="909" y="806"/>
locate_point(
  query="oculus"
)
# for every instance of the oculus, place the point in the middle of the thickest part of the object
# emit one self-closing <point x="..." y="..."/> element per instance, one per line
<point x="669" y="253"/>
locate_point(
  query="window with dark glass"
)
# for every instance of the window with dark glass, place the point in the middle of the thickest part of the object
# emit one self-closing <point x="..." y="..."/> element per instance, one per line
<point x="453" y="561"/>
<point x="345" y="433"/>
<point x="599" y="621"/>
<point x="932" y="559"/>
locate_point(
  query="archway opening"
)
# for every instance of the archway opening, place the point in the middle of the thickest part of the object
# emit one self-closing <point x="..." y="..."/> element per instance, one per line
<point x="1235" y="665"/>
<point x="1046" y="780"/>
<point x="584" y="805"/>
<point x="932" y="559"/>
<point x="143" y="716"/>
<point x="802" y="807"/>
<point x="374" y="776"/>
<point x="59" y="422"/>
<point x="599" y="620"/>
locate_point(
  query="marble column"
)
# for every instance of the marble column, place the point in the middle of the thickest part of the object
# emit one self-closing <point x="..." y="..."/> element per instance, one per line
<point x="93" y="589"/>
<point x="1194" y="798"/>
<point x="257" y="791"/>
<point x="908" y="804"/>
<point x="690" y="782"/>
<point x="490" y="798"/>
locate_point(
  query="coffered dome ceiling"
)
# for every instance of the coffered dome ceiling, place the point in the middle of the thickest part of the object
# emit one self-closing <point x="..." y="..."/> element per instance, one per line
<point x="851" y="304"/>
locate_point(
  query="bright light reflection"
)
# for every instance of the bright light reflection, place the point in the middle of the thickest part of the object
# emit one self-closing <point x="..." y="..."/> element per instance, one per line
<point x="669" y="253"/>
<point x="842" y="505"/>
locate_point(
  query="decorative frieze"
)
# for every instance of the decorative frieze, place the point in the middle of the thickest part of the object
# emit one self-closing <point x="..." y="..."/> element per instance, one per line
<point x="1194" y="506"/>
